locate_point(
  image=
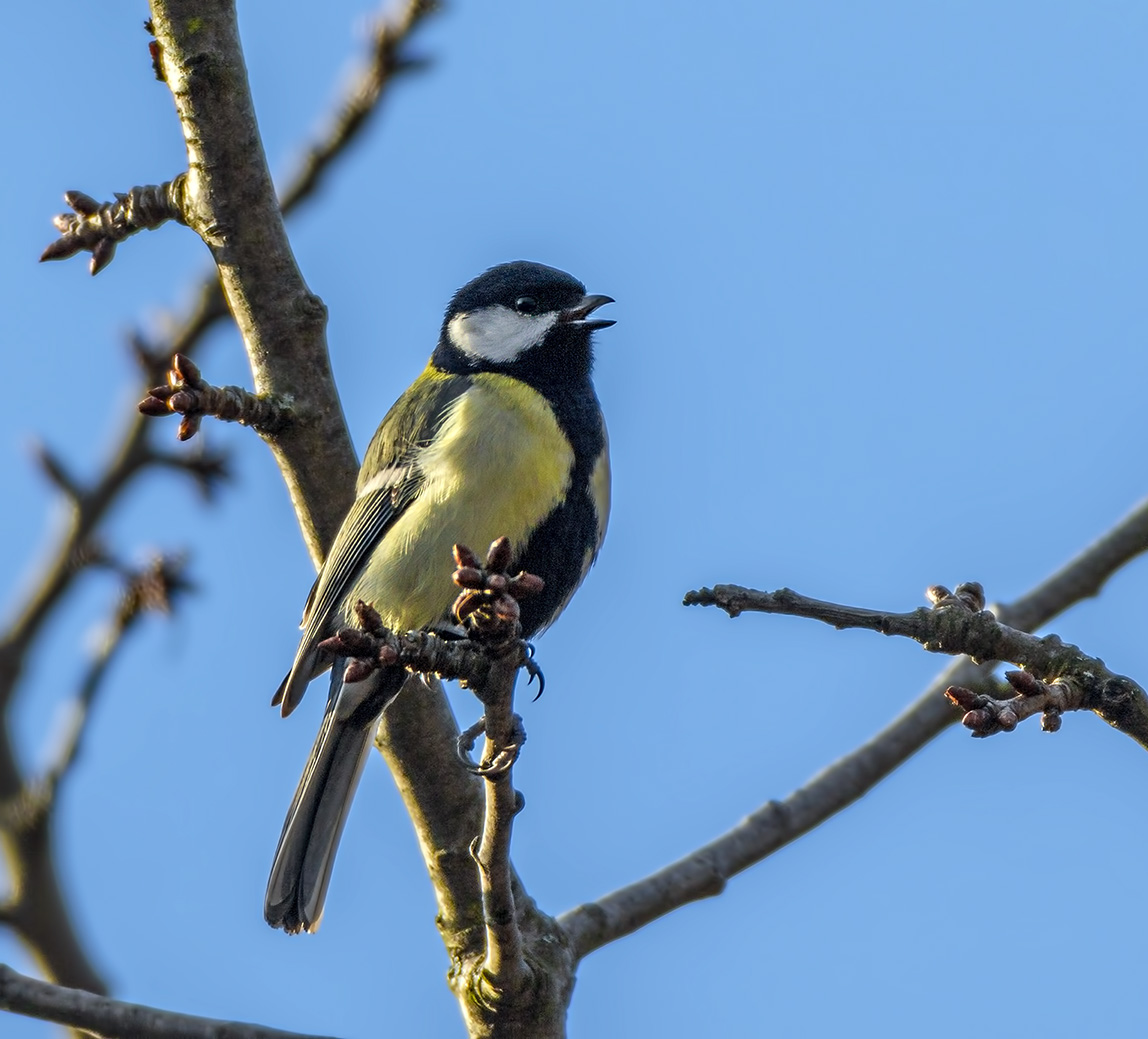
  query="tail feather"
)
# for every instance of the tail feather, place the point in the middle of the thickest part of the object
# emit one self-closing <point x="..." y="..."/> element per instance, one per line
<point x="310" y="838"/>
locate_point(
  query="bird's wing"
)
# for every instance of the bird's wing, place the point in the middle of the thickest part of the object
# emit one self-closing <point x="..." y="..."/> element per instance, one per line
<point x="389" y="481"/>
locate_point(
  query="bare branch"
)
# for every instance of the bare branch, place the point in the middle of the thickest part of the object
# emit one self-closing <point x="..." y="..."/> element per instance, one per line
<point x="188" y="394"/>
<point x="361" y="99"/>
<point x="57" y="473"/>
<point x="504" y="973"/>
<point x="988" y="714"/>
<point x="958" y="624"/>
<point x="44" y="920"/>
<point x="35" y="909"/>
<point x="209" y="469"/>
<point x="98" y="227"/>
<point x="155" y="588"/>
<point x="111" y="1019"/>
<point x="229" y="201"/>
<point x="704" y="872"/>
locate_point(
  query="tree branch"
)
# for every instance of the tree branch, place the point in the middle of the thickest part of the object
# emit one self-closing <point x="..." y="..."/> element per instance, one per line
<point x="504" y="973"/>
<point x="99" y="227"/>
<point x="188" y="394"/>
<point x="362" y="98"/>
<point x="229" y="201"/>
<point x="704" y="872"/>
<point x="111" y="1019"/>
<point x="959" y="624"/>
<point x="35" y="909"/>
<point x="45" y="922"/>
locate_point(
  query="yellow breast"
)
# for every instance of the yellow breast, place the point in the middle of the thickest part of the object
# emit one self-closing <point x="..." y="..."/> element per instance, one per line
<point x="499" y="466"/>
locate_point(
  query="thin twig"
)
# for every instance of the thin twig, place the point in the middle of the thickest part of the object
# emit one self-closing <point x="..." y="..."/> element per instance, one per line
<point x="958" y="624"/>
<point x="189" y="394"/>
<point x="98" y="228"/>
<point x="504" y="971"/>
<point x="387" y="60"/>
<point x="704" y="872"/>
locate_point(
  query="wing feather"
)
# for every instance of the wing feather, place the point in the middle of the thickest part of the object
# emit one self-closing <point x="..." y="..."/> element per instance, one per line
<point x="388" y="482"/>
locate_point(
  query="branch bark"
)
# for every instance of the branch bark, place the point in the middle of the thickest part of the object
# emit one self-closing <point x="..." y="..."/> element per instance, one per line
<point x="229" y="200"/>
<point x="111" y="1019"/>
<point x="704" y="872"/>
<point x="42" y="919"/>
<point x="959" y="624"/>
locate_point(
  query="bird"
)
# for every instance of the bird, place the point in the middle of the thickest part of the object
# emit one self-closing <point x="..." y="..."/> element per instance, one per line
<point x="500" y="435"/>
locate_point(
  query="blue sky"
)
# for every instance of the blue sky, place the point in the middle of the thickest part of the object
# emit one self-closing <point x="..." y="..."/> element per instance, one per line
<point x="879" y="272"/>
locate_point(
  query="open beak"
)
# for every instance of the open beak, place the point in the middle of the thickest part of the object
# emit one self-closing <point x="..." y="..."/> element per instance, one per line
<point x="586" y="306"/>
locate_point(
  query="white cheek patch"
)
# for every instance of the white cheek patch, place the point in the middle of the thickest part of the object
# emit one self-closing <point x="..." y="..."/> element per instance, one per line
<point x="498" y="333"/>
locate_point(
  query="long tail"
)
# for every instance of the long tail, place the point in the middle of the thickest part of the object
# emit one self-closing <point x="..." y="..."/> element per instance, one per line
<point x="306" y="853"/>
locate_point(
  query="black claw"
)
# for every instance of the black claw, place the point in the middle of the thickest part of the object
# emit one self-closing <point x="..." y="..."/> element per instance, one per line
<point x="534" y="671"/>
<point x="503" y="761"/>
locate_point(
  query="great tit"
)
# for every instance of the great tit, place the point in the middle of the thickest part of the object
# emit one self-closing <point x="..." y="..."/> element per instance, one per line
<point x="501" y="434"/>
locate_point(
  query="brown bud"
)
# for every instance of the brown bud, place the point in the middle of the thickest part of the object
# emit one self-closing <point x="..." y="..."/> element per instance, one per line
<point x="468" y="577"/>
<point x="1024" y="683"/>
<point x="466" y="604"/>
<point x="83" y="204"/>
<point x="972" y="594"/>
<point x="525" y="585"/>
<point x="356" y="643"/>
<point x="61" y="248"/>
<point x="357" y="670"/>
<point x="103" y="253"/>
<point x="463" y="556"/>
<point x="368" y="617"/>
<point x="498" y="556"/>
<point x="187" y="370"/>
<point x="188" y="427"/>
<point x="497" y="583"/>
<point x="152" y="406"/>
<point x="937" y="593"/>
<point x="961" y="696"/>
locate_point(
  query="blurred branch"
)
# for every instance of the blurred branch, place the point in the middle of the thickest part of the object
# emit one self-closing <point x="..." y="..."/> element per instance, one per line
<point x="35" y="909"/>
<point x="386" y="61"/>
<point x="704" y="872"/>
<point x="46" y="923"/>
<point x="155" y="588"/>
<point x="112" y="1019"/>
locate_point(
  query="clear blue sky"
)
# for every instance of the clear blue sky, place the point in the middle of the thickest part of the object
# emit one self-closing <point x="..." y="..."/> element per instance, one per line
<point x="881" y="323"/>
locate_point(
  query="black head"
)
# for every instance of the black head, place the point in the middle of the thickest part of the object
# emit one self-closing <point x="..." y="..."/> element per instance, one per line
<point x="524" y="318"/>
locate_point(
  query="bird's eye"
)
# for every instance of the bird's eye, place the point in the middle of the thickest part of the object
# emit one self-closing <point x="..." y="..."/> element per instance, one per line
<point x="526" y="304"/>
